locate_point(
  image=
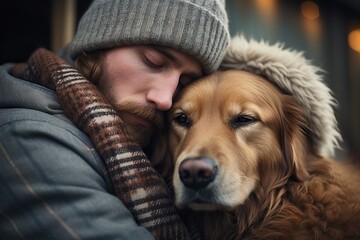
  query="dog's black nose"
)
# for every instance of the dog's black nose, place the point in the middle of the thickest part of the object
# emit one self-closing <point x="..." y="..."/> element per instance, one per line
<point x="197" y="173"/>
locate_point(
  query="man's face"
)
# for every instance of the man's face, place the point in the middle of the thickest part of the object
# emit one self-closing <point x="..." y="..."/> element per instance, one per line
<point x="140" y="82"/>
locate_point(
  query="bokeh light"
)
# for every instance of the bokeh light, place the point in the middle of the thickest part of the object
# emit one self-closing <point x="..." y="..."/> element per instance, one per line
<point x="310" y="10"/>
<point x="354" y="40"/>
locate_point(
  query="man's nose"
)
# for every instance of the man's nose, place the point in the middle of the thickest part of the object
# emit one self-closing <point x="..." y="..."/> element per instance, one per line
<point x="161" y="94"/>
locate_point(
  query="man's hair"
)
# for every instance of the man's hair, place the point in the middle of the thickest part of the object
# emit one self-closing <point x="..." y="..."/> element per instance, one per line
<point x="89" y="65"/>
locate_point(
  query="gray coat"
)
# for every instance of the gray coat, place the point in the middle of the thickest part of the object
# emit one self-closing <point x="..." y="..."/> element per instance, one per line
<point x="53" y="184"/>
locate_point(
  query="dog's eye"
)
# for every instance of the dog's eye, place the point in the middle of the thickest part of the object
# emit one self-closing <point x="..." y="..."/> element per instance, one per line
<point x="182" y="120"/>
<point x="242" y="120"/>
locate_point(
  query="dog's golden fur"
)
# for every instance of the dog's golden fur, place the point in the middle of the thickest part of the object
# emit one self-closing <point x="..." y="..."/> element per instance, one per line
<point x="270" y="182"/>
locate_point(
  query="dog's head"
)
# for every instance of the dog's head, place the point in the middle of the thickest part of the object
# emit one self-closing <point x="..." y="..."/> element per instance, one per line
<point x="230" y="133"/>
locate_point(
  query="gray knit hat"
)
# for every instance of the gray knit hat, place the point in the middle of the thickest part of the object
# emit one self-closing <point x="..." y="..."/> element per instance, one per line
<point x="196" y="27"/>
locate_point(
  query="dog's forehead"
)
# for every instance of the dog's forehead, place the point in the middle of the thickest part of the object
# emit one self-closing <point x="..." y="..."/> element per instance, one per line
<point x="200" y="90"/>
<point x="245" y="86"/>
<point x="230" y="81"/>
<point x="243" y="81"/>
<point x="233" y="90"/>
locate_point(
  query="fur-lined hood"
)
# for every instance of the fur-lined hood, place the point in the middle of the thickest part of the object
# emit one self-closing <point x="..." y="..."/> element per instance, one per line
<point x="293" y="74"/>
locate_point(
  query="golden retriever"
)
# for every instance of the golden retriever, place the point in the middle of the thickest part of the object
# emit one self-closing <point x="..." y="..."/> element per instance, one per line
<point x="244" y="167"/>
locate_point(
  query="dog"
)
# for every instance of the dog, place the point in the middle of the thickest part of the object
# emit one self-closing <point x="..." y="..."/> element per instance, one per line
<point x="245" y="164"/>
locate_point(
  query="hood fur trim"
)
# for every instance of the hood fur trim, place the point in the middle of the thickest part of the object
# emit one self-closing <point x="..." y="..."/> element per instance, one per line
<point x="293" y="74"/>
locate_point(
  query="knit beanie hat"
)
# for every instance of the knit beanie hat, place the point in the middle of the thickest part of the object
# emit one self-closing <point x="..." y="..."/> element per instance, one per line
<point x="294" y="75"/>
<point x="196" y="27"/>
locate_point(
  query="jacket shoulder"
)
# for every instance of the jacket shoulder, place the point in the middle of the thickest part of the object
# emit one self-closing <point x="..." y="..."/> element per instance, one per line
<point x="50" y="169"/>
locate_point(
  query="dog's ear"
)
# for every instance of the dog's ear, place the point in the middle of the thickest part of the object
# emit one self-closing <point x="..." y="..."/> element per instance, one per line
<point x="159" y="151"/>
<point x="293" y="138"/>
<point x="160" y="156"/>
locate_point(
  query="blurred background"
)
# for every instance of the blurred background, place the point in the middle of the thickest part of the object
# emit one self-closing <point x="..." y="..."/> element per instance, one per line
<point x="327" y="31"/>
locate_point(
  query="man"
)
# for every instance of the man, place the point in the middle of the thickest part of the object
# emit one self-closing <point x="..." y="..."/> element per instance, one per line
<point x="139" y="53"/>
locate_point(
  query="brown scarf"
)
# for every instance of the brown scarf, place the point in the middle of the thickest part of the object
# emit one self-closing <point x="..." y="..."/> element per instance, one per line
<point x="135" y="181"/>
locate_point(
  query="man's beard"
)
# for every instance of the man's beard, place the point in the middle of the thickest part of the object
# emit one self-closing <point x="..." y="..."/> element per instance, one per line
<point x="140" y="133"/>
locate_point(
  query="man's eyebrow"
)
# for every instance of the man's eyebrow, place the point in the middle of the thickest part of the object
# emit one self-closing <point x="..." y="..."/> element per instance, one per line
<point x="164" y="51"/>
<point x="167" y="53"/>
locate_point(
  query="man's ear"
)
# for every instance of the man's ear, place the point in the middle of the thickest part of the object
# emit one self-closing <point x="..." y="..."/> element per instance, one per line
<point x="294" y="143"/>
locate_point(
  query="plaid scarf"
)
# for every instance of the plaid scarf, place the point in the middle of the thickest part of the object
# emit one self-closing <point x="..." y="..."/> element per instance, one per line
<point x="137" y="184"/>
